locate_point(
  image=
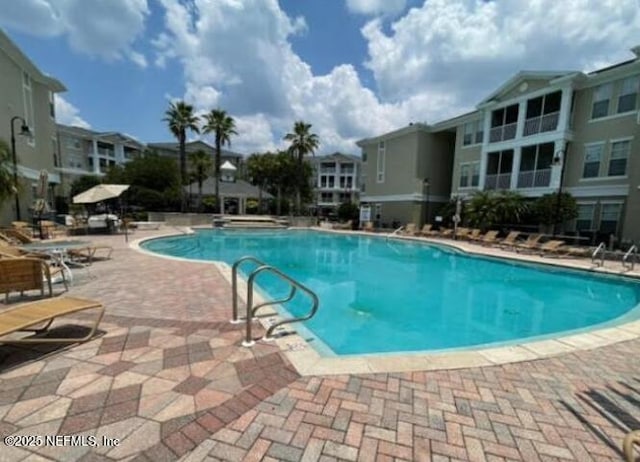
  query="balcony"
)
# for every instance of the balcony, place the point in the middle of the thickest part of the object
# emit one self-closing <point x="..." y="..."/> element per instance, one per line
<point x="498" y="181"/>
<point x="541" y="124"/>
<point x="325" y="170"/>
<point x="534" y="179"/>
<point x="502" y="133"/>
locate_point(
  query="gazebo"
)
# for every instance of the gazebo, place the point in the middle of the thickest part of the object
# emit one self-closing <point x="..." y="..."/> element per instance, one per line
<point x="238" y="189"/>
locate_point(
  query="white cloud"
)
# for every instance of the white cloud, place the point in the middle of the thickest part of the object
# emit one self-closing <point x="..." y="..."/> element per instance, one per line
<point x="375" y="7"/>
<point x="467" y="48"/>
<point x="104" y="28"/>
<point x="435" y="62"/>
<point x="68" y="114"/>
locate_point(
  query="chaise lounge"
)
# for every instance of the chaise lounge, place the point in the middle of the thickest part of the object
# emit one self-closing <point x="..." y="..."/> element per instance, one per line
<point x="42" y="313"/>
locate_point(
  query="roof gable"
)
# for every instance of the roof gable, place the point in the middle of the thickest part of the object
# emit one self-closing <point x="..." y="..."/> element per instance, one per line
<point x="524" y="82"/>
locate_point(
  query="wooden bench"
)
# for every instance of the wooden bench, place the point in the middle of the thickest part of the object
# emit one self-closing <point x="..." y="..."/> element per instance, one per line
<point x="25" y="316"/>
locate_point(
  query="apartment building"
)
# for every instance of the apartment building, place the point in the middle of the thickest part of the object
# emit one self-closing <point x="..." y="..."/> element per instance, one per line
<point x="406" y="174"/>
<point x="172" y="150"/>
<point x="88" y="152"/>
<point x="550" y="131"/>
<point x="336" y="181"/>
<point x="26" y="100"/>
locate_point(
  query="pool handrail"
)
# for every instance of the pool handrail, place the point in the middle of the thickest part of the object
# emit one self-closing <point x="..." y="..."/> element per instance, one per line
<point x="248" y="341"/>
<point x="632" y="252"/>
<point x="601" y="249"/>
<point x="234" y="285"/>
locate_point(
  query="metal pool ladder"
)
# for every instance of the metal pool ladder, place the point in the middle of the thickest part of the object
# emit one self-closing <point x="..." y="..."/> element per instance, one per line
<point x="629" y="259"/>
<point x="600" y="250"/>
<point x="251" y="309"/>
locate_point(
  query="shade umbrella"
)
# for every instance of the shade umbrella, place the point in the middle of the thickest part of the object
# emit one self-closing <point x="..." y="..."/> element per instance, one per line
<point x="100" y="193"/>
<point x="40" y="206"/>
<point x="456" y="217"/>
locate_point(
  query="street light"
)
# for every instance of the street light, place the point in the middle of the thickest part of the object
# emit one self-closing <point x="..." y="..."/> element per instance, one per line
<point x="427" y="185"/>
<point x="560" y="156"/>
<point x="24" y="130"/>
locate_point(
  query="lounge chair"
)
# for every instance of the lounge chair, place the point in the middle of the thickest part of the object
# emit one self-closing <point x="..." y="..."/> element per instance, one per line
<point x="510" y="240"/>
<point x="20" y="274"/>
<point x="89" y="254"/>
<point x="472" y="235"/>
<point x="10" y="251"/>
<point x="445" y="232"/>
<point x="410" y="229"/>
<point x="530" y="244"/>
<point x="426" y="230"/>
<point x="487" y="238"/>
<point x="462" y="233"/>
<point x="15" y="236"/>
<point x="368" y="226"/>
<point x="551" y="247"/>
<point x="25" y="316"/>
<point x="629" y="441"/>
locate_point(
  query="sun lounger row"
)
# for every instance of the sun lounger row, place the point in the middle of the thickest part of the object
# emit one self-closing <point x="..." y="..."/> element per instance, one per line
<point x="531" y="244"/>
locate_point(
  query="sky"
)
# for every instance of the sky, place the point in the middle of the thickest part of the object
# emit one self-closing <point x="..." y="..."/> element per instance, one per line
<point x="351" y="68"/>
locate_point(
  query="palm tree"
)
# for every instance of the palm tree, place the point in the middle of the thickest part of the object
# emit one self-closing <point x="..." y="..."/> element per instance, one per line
<point x="180" y="118"/>
<point x="7" y="185"/>
<point x="302" y="143"/>
<point x="222" y="126"/>
<point x="201" y="165"/>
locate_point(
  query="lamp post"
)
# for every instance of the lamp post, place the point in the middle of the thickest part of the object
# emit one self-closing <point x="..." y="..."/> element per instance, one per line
<point x="24" y="130"/>
<point x="427" y="185"/>
<point x="560" y="156"/>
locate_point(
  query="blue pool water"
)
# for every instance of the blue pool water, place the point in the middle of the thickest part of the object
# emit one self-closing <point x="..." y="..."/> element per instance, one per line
<point x="388" y="296"/>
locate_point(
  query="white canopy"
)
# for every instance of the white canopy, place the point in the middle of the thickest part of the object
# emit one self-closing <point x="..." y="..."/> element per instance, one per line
<point x="100" y="193"/>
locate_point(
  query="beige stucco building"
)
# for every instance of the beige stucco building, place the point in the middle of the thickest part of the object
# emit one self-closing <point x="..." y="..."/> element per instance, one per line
<point x="88" y="152"/>
<point x="336" y="181"/>
<point x="539" y="133"/>
<point x="26" y="95"/>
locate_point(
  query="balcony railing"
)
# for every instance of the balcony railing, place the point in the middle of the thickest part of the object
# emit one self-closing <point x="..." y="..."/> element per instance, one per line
<point x="502" y="133"/>
<point x="540" y="124"/>
<point x="534" y="178"/>
<point x="327" y="170"/>
<point x="499" y="181"/>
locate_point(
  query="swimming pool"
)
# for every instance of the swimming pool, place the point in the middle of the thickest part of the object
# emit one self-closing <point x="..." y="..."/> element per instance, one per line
<point x="379" y="296"/>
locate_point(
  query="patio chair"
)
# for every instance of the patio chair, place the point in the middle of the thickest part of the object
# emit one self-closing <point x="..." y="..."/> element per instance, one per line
<point x="91" y="253"/>
<point x="510" y="240"/>
<point x="530" y="244"/>
<point x="368" y="226"/>
<point x="445" y="232"/>
<point x="15" y="235"/>
<point x="26" y="316"/>
<point x="462" y="233"/>
<point x="551" y="247"/>
<point x="20" y="274"/>
<point x="487" y="238"/>
<point x="629" y="441"/>
<point x="426" y="230"/>
<point x="473" y="234"/>
<point x="410" y="229"/>
<point x="10" y="251"/>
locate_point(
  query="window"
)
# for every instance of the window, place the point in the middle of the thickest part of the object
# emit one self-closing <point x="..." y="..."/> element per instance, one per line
<point x="609" y="215"/>
<point x="499" y="165"/>
<point x="469" y="174"/>
<point x="381" y="161"/>
<point x="52" y="105"/>
<point x="535" y="166"/>
<point x="601" y="97"/>
<point x="584" y="222"/>
<point x="27" y="96"/>
<point x="619" y="155"/>
<point x="364" y="156"/>
<point x="542" y="113"/>
<point x="628" y="94"/>
<point x="326" y="197"/>
<point x="346" y="168"/>
<point x="472" y="133"/>
<point x="592" y="157"/>
<point x="503" y="123"/>
<point x="54" y="149"/>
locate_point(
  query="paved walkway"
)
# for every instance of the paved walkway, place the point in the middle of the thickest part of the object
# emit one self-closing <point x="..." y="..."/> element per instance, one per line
<point x="168" y="379"/>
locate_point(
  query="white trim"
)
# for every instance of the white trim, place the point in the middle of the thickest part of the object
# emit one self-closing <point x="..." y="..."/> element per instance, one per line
<point x="415" y="197"/>
<point x="597" y="179"/>
<point x="590" y="191"/>
<point x="619" y="140"/>
<point x="610" y="117"/>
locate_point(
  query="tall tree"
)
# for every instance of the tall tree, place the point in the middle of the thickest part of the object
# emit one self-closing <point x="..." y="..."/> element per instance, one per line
<point x="222" y="126"/>
<point x="302" y="142"/>
<point x="7" y="185"/>
<point x="201" y="165"/>
<point x="180" y="118"/>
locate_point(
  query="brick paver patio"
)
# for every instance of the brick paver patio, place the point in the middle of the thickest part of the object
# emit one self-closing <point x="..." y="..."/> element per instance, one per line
<point x="169" y="379"/>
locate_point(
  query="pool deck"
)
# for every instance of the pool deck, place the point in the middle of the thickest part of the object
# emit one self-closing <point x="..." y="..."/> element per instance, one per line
<point x="169" y="379"/>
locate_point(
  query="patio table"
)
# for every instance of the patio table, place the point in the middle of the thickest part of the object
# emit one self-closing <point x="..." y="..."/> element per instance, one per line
<point x="58" y="251"/>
